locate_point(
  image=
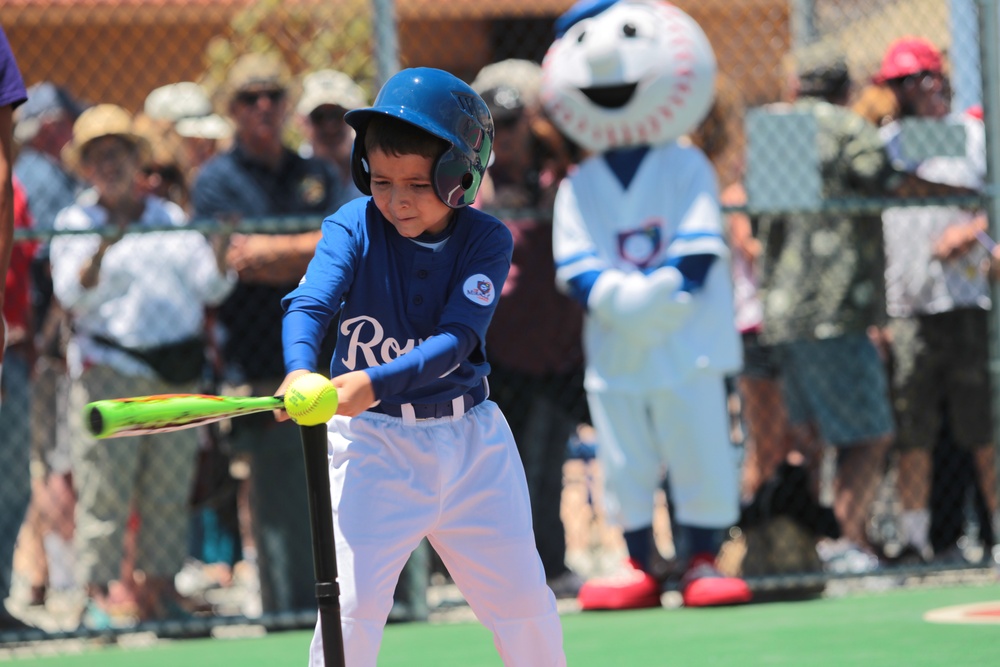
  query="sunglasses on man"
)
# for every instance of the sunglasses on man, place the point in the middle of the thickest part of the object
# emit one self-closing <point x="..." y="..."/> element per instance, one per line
<point x="925" y="80"/>
<point x="252" y="97"/>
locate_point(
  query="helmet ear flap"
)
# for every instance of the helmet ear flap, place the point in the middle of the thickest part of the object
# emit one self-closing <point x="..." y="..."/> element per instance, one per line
<point x="459" y="172"/>
<point x="456" y="179"/>
<point x="360" y="171"/>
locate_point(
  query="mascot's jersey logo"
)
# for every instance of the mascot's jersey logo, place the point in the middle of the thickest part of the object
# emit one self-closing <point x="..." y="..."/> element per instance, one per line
<point x="640" y="247"/>
<point x="479" y="289"/>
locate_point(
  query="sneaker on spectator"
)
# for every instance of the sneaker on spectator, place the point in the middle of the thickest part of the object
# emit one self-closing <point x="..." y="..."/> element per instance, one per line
<point x="952" y="556"/>
<point x="911" y="555"/>
<point x="566" y="586"/>
<point x="704" y="586"/>
<point x="95" y="617"/>
<point x="845" y="557"/>
<point x="193" y="579"/>
<point x="630" y="588"/>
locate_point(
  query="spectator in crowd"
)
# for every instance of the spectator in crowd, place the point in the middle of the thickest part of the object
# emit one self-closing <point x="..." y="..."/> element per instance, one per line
<point x="15" y="494"/>
<point x="184" y="131"/>
<point x="260" y="176"/>
<point x="15" y="409"/>
<point x="182" y="114"/>
<point x="326" y="96"/>
<point x="536" y="356"/>
<point x="161" y="174"/>
<point x="823" y="290"/>
<point x="202" y="138"/>
<point x="131" y="296"/>
<point x="43" y="127"/>
<point x="876" y="104"/>
<point x="938" y="297"/>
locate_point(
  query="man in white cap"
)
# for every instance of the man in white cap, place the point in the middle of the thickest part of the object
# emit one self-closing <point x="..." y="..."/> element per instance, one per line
<point x="326" y="96"/>
<point x="187" y="111"/>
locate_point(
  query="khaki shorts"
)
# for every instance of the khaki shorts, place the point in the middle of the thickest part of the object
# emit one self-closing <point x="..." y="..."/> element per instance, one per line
<point x="941" y="367"/>
<point x="840" y="385"/>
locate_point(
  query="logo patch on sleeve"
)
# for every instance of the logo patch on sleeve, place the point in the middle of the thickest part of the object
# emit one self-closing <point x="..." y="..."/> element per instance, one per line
<point x="479" y="289"/>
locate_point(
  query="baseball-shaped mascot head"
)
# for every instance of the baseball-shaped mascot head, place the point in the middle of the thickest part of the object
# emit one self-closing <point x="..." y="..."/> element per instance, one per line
<point x="627" y="73"/>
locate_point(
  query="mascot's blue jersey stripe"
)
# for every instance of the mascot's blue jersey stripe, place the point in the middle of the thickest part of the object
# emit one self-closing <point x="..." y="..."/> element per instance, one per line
<point x="393" y="295"/>
<point x="578" y="273"/>
<point x="693" y="268"/>
<point x="581" y="284"/>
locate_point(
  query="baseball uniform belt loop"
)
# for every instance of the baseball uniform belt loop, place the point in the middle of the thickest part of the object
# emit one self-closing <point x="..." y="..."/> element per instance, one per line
<point x="456" y="407"/>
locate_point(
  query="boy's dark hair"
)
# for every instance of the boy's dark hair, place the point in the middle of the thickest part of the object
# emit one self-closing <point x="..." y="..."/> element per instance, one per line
<point x="398" y="137"/>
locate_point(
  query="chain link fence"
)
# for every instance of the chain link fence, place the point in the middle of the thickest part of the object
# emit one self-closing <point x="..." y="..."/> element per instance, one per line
<point x="891" y="280"/>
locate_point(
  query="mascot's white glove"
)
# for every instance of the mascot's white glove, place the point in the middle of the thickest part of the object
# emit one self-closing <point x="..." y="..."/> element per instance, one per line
<point x="673" y="310"/>
<point x="639" y="306"/>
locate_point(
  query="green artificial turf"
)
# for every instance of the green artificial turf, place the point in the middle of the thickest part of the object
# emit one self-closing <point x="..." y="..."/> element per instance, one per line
<point x="880" y="629"/>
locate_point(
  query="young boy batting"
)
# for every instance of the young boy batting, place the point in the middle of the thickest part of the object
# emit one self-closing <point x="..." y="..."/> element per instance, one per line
<point x="412" y="274"/>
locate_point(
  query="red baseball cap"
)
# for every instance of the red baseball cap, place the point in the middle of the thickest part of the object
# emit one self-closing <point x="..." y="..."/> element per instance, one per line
<point x="907" y="56"/>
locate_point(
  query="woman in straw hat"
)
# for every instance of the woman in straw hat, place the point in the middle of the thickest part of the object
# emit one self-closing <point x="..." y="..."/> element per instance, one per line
<point x="129" y="294"/>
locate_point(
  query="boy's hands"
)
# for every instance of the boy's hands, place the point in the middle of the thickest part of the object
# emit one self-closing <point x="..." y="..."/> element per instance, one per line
<point x="354" y="393"/>
<point x="281" y="415"/>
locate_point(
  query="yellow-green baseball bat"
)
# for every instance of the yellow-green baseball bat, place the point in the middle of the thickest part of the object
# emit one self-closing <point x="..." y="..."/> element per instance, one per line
<point x="119" y="417"/>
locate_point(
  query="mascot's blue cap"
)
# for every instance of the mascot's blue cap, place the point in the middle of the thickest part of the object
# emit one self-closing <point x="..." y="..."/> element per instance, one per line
<point x="584" y="9"/>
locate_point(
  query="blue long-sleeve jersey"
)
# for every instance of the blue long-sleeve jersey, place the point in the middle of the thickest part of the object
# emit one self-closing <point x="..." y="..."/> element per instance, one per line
<point x="413" y="317"/>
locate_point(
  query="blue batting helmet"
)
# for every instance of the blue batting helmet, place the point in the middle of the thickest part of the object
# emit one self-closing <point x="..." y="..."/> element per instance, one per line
<point x="443" y="105"/>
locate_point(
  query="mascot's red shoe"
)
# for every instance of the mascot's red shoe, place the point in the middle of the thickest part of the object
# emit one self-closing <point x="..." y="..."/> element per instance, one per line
<point x="632" y="588"/>
<point x="704" y="586"/>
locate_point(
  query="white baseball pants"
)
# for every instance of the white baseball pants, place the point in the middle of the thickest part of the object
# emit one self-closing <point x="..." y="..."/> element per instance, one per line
<point x="685" y="430"/>
<point x="458" y="481"/>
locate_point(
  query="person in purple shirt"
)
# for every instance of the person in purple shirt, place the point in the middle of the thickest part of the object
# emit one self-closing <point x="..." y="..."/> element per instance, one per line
<point x="416" y="448"/>
<point x="14" y="497"/>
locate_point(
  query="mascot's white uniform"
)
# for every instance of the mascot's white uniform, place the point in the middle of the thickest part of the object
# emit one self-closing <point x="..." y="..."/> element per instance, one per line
<point x="638" y="241"/>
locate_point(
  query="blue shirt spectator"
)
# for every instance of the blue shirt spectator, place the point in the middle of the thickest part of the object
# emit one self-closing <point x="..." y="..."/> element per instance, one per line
<point x="261" y="177"/>
<point x="237" y="183"/>
<point x="43" y="127"/>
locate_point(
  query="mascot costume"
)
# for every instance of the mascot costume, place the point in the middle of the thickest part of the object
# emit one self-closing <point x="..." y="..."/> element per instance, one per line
<point x="637" y="239"/>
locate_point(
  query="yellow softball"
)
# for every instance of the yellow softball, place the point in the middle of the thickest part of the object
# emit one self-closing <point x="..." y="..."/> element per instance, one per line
<point x="311" y="399"/>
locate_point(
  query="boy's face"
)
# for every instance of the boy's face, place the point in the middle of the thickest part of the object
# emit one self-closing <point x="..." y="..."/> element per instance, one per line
<point x="403" y="192"/>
